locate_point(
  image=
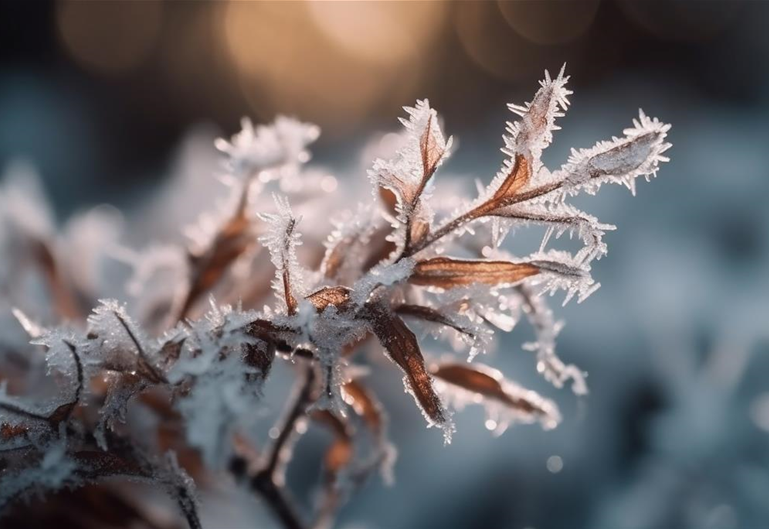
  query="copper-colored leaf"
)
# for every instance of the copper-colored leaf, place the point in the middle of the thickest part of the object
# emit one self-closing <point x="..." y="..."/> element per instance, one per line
<point x="418" y="231"/>
<point x="490" y="384"/>
<point x="337" y="296"/>
<point x="364" y="404"/>
<point x="446" y="272"/>
<point x="94" y="464"/>
<point x="432" y="315"/>
<point x="171" y="349"/>
<point x="340" y="452"/>
<point x="9" y="431"/>
<point x="402" y="347"/>
<point x="431" y="151"/>
<point x="208" y="266"/>
<point x="517" y="178"/>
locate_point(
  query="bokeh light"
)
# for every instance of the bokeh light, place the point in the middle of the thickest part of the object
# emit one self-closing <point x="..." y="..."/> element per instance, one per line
<point x="330" y="63"/>
<point x="109" y="37"/>
<point x="551" y="22"/>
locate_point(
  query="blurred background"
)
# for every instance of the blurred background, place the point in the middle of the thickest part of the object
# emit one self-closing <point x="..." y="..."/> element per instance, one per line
<point x="110" y="99"/>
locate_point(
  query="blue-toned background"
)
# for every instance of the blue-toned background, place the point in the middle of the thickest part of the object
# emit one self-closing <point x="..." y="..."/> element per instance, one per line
<point x="109" y="100"/>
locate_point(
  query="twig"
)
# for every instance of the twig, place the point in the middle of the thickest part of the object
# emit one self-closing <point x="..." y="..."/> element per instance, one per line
<point x="278" y="452"/>
<point x="268" y="479"/>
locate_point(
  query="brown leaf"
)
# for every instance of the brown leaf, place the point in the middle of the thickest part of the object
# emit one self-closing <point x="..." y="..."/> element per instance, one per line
<point x="337" y="296"/>
<point x="490" y="384"/>
<point x="402" y="348"/>
<point x="95" y="464"/>
<point x="9" y="431"/>
<point x="171" y="349"/>
<point x="482" y="380"/>
<point x="517" y="178"/>
<point x="364" y="404"/>
<point x="431" y="152"/>
<point x="447" y="272"/>
<point x="418" y="231"/>
<point x="340" y="452"/>
<point x="208" y="266"/>
<point x="432" y="315"/>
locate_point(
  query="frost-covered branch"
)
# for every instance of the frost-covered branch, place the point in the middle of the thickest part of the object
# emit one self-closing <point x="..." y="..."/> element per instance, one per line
<point x="163" y="390"/>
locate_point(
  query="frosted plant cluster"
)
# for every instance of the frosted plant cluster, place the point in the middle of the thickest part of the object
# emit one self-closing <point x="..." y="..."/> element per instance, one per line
<point x="162" y="387"/>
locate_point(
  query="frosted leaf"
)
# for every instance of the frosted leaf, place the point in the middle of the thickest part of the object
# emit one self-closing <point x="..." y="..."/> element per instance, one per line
<point x="403" y="349"/>
<point x="63" y="357"/>
<point x="559" y="218"/>
<point x="560" y="270"/>
<point x="223" y="385"/>
<point x="546" y="329"/>
<point x="383" y="275"/>
<point x="121" y="388"/>
<point x="505" y="401"/>
<point x="117" y="343"/>
<point x="348" y="242"/>
<point x="53" y="471"/>
<point x="466" y="330"/>
<point x="619" y="161"/>
<point x="409" y="174"/>
<point x="534" y="131"/>
<point x="281" y="145"/>
<point x="281" y="240"/>
<point x="371" y="412"/>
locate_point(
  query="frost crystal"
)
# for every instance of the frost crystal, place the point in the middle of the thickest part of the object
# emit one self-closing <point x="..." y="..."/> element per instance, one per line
<point x="268" y="148"/>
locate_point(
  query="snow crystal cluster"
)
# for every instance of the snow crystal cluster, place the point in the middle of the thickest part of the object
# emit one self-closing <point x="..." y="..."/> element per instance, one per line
<point x="163" y="387"/>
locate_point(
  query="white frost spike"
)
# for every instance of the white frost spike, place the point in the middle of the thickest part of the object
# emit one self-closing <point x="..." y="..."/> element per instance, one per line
<point x="534" y="131"/>
<point x="563" y="271"/>
<point x="546" y="329"/>
<point x="619" y="161"/>
<point x="558" y="218"/>
<point x="282" y="144"/>
<point x="281" y="240"/>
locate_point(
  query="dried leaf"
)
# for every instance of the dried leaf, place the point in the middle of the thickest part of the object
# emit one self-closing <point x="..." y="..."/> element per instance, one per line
<point x="9" y="431"/>
<point x="490" y="384"/>
<point x="402" y="348"/>
<point x="364" y="404"/>
<point x="337" y="296"/>
<point x="282" y="240"/>
<point x="485" y="382"/>
<point x="518" y="176"/>
<point x="432" y="151"/>
<point x="340" y="452"/>
<point x="208" y="266"/>
<point x="432" y="315"/>
<point x="447" y="272"/>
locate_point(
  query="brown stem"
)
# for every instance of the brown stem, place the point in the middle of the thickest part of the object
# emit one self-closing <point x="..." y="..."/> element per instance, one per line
<point x="268" y="480"/>
<point x="279" y="451"/>
<point x="478" y="212"/>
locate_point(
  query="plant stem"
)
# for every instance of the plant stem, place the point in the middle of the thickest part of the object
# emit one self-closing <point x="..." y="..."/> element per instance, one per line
<point x="268" y="480"/>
